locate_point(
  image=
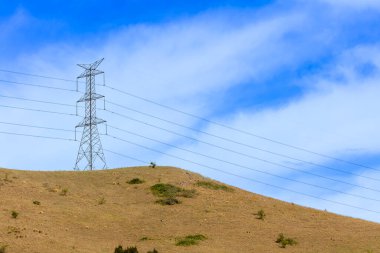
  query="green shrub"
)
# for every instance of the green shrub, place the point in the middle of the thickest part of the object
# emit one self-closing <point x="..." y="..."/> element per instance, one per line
<point x="213" y="186"/>
<point x="171" y="191"/>
<point x="165" y="190"/>
<point x="14" y="214"/>
<point x="36" y="202"/>
<point x="120" y="249"/>
<point x="135" y="181"/>
<point x="261" y="214"/>
<point x="190" y="240"/>
<point x="283" y="241"/>
<point x="168" y="201"/>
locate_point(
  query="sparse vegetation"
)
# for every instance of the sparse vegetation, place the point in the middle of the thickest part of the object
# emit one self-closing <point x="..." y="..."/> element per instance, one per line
<point x="165" y="190"/>
<point x="168" y="201"/>
<point x="132" y="212"/>
<point x="6" y="177"/>
<point x="3" y="248"/>
<point x="190" y="240"/>
<point x="171" y="191"/>
<point x="120" y="249"/>
<point x="187" y="193"/>
<point x="13" y="230"/>
<point x="102" y="201"/>
<point x="64" y="192"/>
<point x="14" y="214"/>
<point x="213" y="186"/>
<point x="261" y="214"/>
<point x="283" y="241"/>
<point x="152" y="165"/>
<point x="135" y="181"/>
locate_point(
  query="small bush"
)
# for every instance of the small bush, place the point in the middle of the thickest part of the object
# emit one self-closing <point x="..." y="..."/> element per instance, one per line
<point x="171" y="191"/>
<point x="36" y="202"/>
<point x="120" y="249"/>
<point x="213" y="186"/>
<point x="3" y="248"/>
<point x="168" y="201"/>
<point x="14" y="214"/>
<point x="64" y="192"/>
<point x="152" y="165"/>
<point x="135" y="181"/>
<point x="165" y="190"/>
<point x="283" y="241"/>
<point x="261" y="214"/>
<point x="144" y="238"/>
<point x="152" y="251"/>
<point x="190" y="240"/>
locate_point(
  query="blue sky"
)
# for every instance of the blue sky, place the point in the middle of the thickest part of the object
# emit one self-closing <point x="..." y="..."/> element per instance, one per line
<point x="305" y="73"/>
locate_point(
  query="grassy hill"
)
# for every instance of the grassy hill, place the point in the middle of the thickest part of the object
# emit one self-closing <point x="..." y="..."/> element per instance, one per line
<point x="95" y="211"/>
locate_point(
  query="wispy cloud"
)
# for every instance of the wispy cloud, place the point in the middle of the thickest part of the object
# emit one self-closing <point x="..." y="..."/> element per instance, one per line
<point x="192" y="64"/>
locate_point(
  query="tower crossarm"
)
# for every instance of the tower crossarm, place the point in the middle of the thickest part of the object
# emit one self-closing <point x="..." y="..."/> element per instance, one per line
<point x="90" y="150"/>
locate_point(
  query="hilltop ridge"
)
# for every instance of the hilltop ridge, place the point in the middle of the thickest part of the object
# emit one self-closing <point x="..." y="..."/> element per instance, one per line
<point x="95" y="211"/>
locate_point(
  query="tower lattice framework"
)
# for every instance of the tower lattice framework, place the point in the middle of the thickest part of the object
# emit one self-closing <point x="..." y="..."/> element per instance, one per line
<point x="90" y="148"/>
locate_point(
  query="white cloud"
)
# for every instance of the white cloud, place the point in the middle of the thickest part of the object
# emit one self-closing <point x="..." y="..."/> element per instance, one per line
<point x="179" y="64"/>
<point x="10" y="26"/>
<point x="186" y="64"/>
<point x="362" y="4"/>
<point x="334" y="118"/>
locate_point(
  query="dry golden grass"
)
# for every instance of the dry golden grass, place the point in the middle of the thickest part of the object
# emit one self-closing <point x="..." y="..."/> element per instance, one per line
<point x="93" y="212"/>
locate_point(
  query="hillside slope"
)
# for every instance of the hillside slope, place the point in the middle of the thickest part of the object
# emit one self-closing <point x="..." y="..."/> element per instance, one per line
<point x="93" y="212"/>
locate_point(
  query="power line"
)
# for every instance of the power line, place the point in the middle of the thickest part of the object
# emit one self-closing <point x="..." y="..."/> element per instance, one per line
<point x="260" y="171"/>
<point x="222" y="138"/>
<point x="207" y="143"/>
<point x="126" y="156"/>
<point x="35" y="100"/>
<point x="34" y="126"/>
<point x="197" y="117"/>
<point x="37" y="110"/>
<point x="246" y="178"/>
<point x="217" y="147"/>
<point x="192" y="115"/>
<point x="36" y="136"/>
<point x="241" y="131"/>
<point x="249" y="156"/>
<point x="7" y="82"/>
<point x="28" y="74"/>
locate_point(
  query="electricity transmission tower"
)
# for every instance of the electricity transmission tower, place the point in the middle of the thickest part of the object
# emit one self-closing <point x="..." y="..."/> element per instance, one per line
<point x="90" y="148"/>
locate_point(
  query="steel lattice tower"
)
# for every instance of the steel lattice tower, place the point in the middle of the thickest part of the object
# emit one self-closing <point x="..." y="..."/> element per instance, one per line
<point x="90" y="147"/>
